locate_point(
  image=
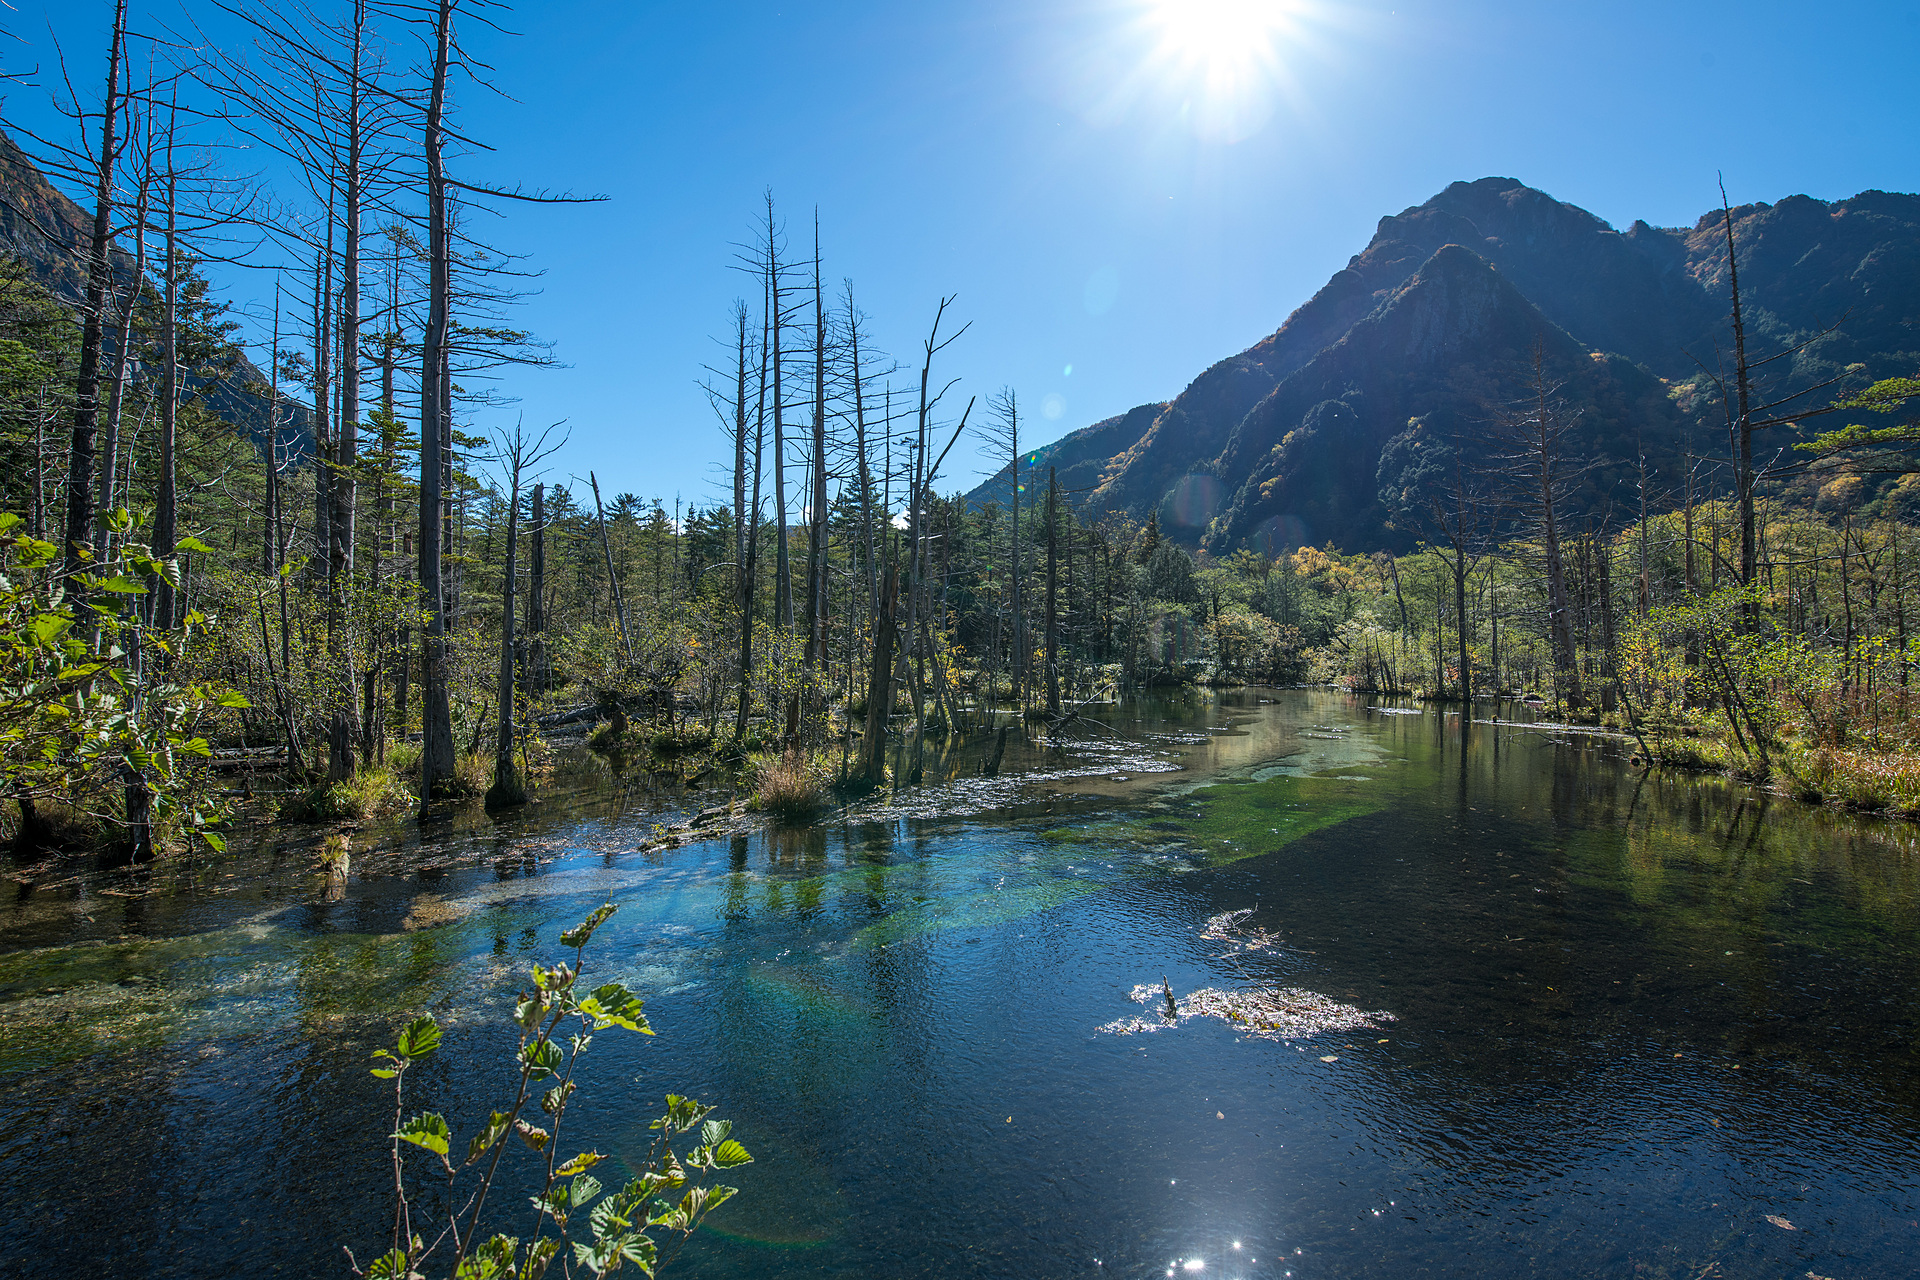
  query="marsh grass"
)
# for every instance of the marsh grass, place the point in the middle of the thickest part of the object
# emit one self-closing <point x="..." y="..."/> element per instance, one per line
<point x="336" y="857"/>
<point x="794" y="786"/>
<point x="373" y="792"/>
<point x="1875" y="780"/>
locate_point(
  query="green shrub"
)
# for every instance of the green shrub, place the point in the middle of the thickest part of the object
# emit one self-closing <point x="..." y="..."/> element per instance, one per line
<point x="576" y="1219"/>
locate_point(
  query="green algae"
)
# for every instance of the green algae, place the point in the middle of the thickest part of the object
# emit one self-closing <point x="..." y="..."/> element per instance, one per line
<point x="1211" y="826"/>
<point x="1231" y="820"/>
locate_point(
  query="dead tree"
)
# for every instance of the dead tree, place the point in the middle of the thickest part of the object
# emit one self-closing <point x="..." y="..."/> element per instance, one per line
<point x="1005" y="436"/>
<point x="517" y="455"/>
<point x="537" y="671"/>
<point x="1534" y="433"/>
<point x="1053" y="597"/>
<point x="437" y="760"/>
<point x="77" y="538"/>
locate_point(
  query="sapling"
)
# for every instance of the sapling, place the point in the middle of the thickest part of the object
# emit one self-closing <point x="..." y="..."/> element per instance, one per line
<point x="628" y="1225"/>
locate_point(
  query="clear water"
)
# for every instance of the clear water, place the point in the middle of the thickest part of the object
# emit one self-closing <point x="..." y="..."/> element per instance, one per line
<point x="1558" y="1018"/>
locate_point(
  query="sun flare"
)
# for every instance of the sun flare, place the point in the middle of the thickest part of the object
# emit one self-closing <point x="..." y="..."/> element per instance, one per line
<point x="1220" y="32"/>
<point x="1225" y="63"/>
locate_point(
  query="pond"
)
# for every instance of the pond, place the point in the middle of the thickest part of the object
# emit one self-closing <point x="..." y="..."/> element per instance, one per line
<point x="1451" y="998"/>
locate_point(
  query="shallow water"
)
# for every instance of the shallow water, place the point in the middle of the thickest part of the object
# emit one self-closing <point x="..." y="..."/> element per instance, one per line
<point x="1529" y="1012"/>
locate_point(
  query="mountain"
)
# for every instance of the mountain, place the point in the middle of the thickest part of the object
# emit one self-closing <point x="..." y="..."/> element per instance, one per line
<point x="49" y="234"/>
<point x="1341" y="423"/>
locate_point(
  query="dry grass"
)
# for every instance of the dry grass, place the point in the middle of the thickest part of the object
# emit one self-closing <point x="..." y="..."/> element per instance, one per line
<point x="794" y="786"/>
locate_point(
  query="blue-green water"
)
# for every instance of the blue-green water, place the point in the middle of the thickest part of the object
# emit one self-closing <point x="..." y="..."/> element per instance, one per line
<point x="1585" y="1022"/>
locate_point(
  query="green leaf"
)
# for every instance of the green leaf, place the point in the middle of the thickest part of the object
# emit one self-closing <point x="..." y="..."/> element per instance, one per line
<point x="597" y="1257"/>
<point x="428" y="1130"/>
<point x="232" y="698"/>
<point x="612" y="1005"/>
<point x="555" y="1098"/>
<point x="585" y="1188"/>
<point x="385" y="1073"/>
<point x="191" y="543"/>
<point x="482" y="1142"/>
<point x="639" y="1250"/>
<point x="577" y="936"/>
<point x="579" y="1164"/>
<point x="541" y="1059"/>
<point x="121" y="584"/>
<point x="492" y="1259"/>
<point x="538" y="1257"/>
<point x="682" y="1115"/>
<point x="420" y="1037"/>
<point x="714" y="1132"/>
<point x="46" y="626"/>
<point x="730" y="1155"/>
<point x="391" y="1265"/>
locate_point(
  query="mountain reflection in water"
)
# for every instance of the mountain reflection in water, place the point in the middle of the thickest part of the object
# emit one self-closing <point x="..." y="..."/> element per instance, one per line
<point x="1573" y="1020"/>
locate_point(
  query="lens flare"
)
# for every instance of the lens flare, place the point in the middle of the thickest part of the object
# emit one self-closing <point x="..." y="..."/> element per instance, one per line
<point x="1227" y="58"/>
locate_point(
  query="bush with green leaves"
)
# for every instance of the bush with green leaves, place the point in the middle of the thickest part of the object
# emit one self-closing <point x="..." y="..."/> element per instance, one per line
<point x="576" y="1220"/>
<point x="91" y="708"/>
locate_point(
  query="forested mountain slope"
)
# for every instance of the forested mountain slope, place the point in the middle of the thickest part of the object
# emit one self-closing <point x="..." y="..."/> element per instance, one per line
<point x="47" y="234"/>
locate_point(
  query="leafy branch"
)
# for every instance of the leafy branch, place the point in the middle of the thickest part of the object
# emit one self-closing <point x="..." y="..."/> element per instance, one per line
<point x="556" y="1025"/>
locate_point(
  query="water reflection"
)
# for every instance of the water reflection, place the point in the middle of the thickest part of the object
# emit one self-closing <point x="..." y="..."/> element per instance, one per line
<point x="1633" y="1015"/>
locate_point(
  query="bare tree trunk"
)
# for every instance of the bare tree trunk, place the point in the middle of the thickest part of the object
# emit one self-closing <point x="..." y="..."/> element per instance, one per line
<point x="742" y="585"/>
<point x="166" y="508"/>
<point x="537" y="595"/>
<point x="344" y="490"/>
<point x="1053" y="605"/>
<point x="1743" y="423"/>
<point x="750" y="577"/>
<point x="437" y="755"/>
<point x="873" y="743"/>
<point x="509" y="784"/>
<point x="613" y="579"/>
<point x="78" y="537"/>
<point x="1460" y="567"/>
<point x="109" y="450"/>
<point x="323" y="456"/>
<point x="817" y="515"/>
<point x="783" y="578"/>
<point x="864" y="472"/>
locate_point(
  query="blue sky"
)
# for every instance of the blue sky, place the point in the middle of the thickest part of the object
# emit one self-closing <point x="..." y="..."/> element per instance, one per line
<point x="1115" y="187"/>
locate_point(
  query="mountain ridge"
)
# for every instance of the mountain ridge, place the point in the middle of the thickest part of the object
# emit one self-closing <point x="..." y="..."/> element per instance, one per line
<point x="1645" y="308"/>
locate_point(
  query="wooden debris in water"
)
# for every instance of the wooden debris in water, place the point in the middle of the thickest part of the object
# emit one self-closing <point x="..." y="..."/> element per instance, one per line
<point x="1262" y="1012"/>
<point x="1225" y="927"/>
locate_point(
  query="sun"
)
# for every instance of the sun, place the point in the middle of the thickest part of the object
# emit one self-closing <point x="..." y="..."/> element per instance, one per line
<point x="1221" y="35"/>
<point x="1225" y="63"/>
